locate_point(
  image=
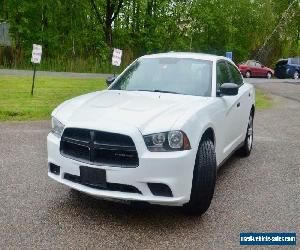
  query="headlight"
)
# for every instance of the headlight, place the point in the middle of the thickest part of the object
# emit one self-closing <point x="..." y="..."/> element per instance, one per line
<point x="167" y="141"/>
<point x="57" y="127"/>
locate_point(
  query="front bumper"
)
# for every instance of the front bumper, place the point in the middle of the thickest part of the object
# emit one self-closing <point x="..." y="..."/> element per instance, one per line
<point x="174" y="169"/>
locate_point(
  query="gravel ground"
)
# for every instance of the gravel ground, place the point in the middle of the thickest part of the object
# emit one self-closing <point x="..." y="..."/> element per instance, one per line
<point x="260" y="194"/>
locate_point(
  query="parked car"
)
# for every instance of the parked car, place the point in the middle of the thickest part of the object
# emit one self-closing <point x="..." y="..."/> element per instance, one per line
<point x="253" y="68"/>
<point x="157" y="134"/>
<point x="288" y="68"/>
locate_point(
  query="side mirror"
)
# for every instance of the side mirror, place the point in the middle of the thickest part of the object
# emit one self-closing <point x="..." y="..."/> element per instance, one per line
<point x="262" y="66"/>
<point x="229" y="89"/>
<point x="110" y="80"/>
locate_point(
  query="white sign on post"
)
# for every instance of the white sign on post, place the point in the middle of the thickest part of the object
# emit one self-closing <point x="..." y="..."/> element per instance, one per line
<point x="36" y="53"/>
<point x="117" y="57"/>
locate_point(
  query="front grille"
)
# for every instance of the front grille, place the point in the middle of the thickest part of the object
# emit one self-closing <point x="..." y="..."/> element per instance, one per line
<point x="110" y="186"/>
<point x="99" y="148"/>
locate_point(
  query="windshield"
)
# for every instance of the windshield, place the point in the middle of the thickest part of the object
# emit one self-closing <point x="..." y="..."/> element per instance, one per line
<point x="167" y="75"/>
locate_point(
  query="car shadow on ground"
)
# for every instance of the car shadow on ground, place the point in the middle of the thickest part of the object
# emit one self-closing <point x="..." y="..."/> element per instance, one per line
<point x="228" y="165"/>
<point x="86" y="208"/>
<point x="98" y="213"/>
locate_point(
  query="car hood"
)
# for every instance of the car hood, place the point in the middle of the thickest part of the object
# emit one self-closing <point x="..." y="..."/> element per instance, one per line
<point x="148" y="111"/>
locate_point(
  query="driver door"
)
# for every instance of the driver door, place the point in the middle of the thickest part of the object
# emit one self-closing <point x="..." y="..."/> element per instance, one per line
<point x="231" y="111"/>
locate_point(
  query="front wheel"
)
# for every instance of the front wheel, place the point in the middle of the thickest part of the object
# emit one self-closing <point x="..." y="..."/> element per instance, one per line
<point x="269" y="75"/>
<point x="245" y="150"/>
<point x="296" y="75"/>
<point x="204" y="179"/>
<point x="248" y="74"/>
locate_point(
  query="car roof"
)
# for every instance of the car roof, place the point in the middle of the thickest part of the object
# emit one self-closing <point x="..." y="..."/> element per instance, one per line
<point x="188" y="55"/>
<point x="252" y="60"/>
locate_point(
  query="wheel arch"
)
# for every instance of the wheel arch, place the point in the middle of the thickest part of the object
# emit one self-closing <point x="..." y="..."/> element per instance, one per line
<point x="252" y="110"/>
<point x="209" y="133"/>
<point x="248" y="70"/>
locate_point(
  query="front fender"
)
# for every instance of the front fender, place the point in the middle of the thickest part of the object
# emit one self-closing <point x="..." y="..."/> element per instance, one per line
<point x="195" y="122"/>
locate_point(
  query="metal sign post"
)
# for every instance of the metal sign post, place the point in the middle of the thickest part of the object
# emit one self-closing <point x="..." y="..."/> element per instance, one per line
<point x="116" y="59"/>
<point x="35" y="59"/>
<point x="34" y="70"/>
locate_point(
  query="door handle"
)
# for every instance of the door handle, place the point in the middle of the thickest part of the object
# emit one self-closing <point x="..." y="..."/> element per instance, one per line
<point x="238" y="105"/>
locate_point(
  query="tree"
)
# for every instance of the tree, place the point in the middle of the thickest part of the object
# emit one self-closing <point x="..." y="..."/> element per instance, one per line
<point x="79" y="34"/>
<point x="112" y="10"/>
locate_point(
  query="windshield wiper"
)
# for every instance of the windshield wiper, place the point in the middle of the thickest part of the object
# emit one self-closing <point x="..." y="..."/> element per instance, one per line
<point x="158" y="90"/>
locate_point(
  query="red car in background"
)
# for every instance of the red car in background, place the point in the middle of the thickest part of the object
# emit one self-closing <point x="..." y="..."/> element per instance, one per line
<point x="253" y="68"/>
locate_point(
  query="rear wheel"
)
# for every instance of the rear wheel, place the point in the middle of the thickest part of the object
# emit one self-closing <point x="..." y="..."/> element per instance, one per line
<point x="245" y="150"/>
<point x="204" y="179"/>
<point x="296" y="75"/>
<point x="248" y="74"/>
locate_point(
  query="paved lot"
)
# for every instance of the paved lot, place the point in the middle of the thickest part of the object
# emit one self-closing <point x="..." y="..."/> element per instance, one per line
<point x="282" y="88"/>
<point x="260" y="193"/>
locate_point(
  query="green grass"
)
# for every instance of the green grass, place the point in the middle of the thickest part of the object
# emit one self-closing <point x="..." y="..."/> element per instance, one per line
<point x="16" y="103"/>
<point x="263" y="101"/>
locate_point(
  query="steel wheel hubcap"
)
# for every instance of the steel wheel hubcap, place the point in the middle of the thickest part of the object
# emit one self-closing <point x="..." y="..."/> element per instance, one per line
<point x="296" y="75"/>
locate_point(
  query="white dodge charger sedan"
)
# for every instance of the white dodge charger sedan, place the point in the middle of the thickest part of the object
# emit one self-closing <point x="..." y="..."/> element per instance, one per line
<point x="158" y="133"/>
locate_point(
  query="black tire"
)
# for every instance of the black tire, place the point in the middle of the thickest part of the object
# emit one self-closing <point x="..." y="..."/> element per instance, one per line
<point x="280" y="77"/>
<point x="204" y="179"/>
<point x="245" y="150"/>
<point x="248" y="74"/>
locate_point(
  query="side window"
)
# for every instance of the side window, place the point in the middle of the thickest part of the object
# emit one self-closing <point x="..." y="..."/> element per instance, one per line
<point x="251" y="64"/>
<point x="222" y="74"/>
<point x="235" y="74"/>
<point x="258" y="65"/>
